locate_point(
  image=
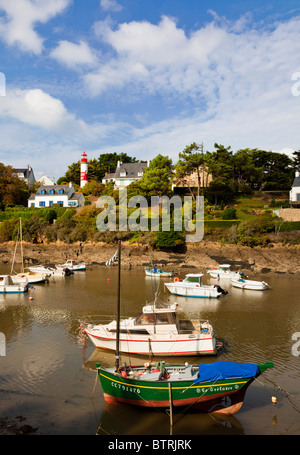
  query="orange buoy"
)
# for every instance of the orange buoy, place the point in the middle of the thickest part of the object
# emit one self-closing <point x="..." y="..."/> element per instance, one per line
<point x="176" y="279"/>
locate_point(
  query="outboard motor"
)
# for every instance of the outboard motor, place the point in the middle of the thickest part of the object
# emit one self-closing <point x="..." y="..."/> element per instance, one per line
<point x="219" y="289"/>
<point x="68" y="272"/>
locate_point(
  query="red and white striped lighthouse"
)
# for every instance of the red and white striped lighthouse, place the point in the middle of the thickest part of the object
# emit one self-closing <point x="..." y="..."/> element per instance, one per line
<point x="83" y="170"/>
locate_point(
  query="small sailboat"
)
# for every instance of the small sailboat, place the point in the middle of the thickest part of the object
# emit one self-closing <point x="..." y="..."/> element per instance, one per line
<point x="70" y="265"/>
<point x="157" y="331"/>
<point x="25" y="277"/>
<point x="154" y="272"/>
<point x="250" y="284"/>
<point x="192" y="286"/>
<point x="219" y="387"/>
<point x="223" y="271"/>
<point x="7" y="286"/>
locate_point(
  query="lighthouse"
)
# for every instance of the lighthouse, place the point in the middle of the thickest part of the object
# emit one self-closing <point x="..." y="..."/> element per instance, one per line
<point x="83" y="170"/>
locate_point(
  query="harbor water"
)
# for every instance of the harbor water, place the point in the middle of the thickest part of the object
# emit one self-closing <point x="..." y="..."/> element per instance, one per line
<point x="48" y="379"/>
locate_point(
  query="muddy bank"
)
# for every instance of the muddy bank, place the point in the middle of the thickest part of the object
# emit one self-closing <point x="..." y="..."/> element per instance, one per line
<point x="278" y="258"/>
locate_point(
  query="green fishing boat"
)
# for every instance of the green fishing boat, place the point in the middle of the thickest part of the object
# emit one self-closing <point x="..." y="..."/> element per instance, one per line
<point x="217" y="387"/>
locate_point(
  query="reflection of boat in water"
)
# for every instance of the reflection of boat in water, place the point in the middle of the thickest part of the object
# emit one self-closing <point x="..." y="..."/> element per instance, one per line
<point x="130" y="420"/>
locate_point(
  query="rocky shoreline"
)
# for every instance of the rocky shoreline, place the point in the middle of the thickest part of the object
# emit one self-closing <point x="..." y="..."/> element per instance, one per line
<point x="277" y="258"/>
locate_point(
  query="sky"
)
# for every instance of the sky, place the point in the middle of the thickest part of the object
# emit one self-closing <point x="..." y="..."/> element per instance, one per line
<point x="145" y="77"/>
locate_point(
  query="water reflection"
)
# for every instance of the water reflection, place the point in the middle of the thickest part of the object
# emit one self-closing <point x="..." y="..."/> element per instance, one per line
<point x="130" y="420"/>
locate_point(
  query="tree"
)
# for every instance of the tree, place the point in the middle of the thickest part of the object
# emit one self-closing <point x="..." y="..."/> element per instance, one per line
<point x="12" y="189"/>
<point x="157" y="178"/>
<point x="191" y="160"/>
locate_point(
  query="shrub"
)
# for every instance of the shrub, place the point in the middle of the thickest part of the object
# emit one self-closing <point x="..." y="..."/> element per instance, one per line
<point x="229" y="214"/>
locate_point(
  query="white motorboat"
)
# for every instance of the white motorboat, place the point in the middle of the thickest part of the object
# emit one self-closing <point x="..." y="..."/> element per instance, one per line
<point x="29" y="277"/>
<point x="192" y="286"/>
<point x="8" y="287"/>
<point x="157" y="331"/>
<point x="250" y="284"/>
<point x="223" y="271"/>
<point x="71" y="266"/>
<point x="157" y="273"/>
<point x="49" y="270"/>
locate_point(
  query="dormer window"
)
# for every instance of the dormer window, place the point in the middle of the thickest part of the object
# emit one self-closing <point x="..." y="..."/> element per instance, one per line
<point x="61" y="191"/>
<point x="140" y="174"/>
<point x="123" y="174"/>
<point x="42" y="191"/>
<point x="51" y="191"/>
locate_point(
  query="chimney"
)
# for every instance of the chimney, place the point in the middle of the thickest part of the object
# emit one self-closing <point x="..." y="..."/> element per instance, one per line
<point x="70" y="184"/>
<point x="297" y="174"/>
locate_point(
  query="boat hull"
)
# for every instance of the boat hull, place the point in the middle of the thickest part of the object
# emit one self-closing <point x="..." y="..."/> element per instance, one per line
<point x="158" y="274"/>
<point x="223" y="397"/>
<point x="13" y="289"/>
<point x="193" y="291"/>
<point x="158" y="346"/>
<point x="250" y="285"/>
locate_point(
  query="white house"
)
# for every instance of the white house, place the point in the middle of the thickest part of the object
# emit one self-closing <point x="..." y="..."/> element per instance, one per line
<point x="295" y="191"/>
<point x="45" y="180"/>
<point x="65" y="195"/>
<point x="126" y="173"/>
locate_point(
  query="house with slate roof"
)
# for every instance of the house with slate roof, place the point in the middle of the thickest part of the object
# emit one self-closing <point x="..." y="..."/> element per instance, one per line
<point x="126" y="173"/>
<point x="295" y="191"/>
<point x="25" y="174"/>
<point x="48" y="195"/>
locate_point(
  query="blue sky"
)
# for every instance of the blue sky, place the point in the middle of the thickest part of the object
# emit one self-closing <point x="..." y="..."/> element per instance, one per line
<point x="146" y="78"/>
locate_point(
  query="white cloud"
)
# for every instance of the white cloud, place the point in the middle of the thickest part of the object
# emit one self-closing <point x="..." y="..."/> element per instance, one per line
<point x="35" y="108"/>
<point x="18" y="26"/>
<point x="72" y="54"/>
<point x="110" y="5"/>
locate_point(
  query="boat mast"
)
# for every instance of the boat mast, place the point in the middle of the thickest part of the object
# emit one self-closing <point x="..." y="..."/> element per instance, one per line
<point x="117" y="354"/>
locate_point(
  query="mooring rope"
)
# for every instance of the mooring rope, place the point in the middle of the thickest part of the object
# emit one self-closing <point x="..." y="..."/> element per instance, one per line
<point x="287" y="394"/>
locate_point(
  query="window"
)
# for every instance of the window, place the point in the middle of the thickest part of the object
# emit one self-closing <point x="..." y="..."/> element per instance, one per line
<point x="60" y="202"/>
<point x="140" y="174"/>
<point x="72" y="204"/>
<point x="50" y="203"/>
<point x="122" y="174"/>
<point x="42" y="204"/>
<point x="32" y="204"/>
<point x="51" y="191"/>
<point x="61" y="191"/>
<point x="42" y="191"/>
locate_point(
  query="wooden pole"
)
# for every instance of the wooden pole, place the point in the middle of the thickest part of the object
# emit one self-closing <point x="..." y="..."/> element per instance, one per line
<point x="117" y="354"/>
<point x="171" y="405"/>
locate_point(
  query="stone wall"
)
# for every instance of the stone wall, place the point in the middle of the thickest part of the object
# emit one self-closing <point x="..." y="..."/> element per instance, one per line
<point x="289" y="214"/>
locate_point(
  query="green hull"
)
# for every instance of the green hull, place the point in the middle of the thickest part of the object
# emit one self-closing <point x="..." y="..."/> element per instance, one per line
<point x="223" y="396"/>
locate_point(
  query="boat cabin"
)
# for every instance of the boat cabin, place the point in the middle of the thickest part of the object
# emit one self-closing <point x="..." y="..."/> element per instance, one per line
<point x="157" y="315"/>
<point x="193" y="278"/>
